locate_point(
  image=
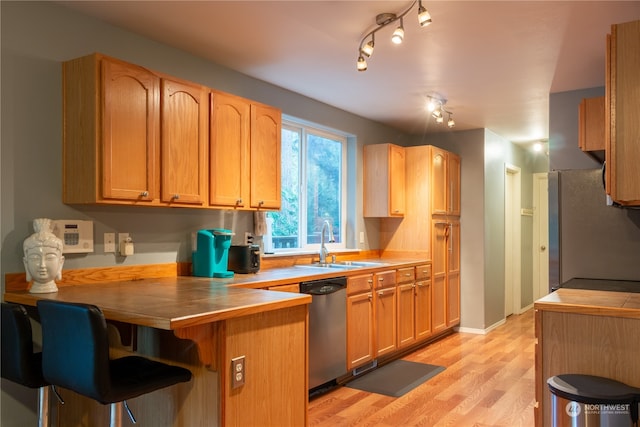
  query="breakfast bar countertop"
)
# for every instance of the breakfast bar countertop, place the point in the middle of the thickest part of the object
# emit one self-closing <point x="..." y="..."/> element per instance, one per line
<point x="592" y="302"/>
<point x="169" y="302"/>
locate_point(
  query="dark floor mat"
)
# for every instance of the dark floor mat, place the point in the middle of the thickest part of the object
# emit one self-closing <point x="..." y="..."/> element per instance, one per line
<point x="396" y="378"/>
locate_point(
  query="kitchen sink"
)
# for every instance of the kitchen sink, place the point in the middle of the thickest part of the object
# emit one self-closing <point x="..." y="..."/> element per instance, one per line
<point x="362" y="263"/>
<point x="336" y="266"/>
<point x="343" y="265"/>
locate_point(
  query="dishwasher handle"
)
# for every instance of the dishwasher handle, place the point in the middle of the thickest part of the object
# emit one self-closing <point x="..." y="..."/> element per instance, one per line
<point x="323" y="287"/>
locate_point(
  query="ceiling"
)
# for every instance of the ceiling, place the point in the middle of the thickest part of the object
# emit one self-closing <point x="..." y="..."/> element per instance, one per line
<point x="494" y="62"/>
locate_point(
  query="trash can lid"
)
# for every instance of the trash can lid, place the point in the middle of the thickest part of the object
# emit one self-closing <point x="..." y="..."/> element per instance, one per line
<point x="592" y="389"/>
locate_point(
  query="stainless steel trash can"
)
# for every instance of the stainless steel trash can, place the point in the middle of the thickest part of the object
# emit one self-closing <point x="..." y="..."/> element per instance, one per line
<point x="591" y="401"/>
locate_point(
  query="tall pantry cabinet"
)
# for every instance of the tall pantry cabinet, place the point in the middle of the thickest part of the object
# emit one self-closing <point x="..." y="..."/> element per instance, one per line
<point x="445" y="238"/>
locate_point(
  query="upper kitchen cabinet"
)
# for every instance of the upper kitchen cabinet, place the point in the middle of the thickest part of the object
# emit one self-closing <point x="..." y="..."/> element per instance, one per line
<point x="591" y="124"/>
<point x="184" y="137"/>
<point x="445" y="182"/>
<point x="119" y="121"/>
<point x="229" y="150"/>
<point x="266" y="130"/>
<point x="384" y="180"/>
<point x="244" y="153"/>
<point x="622" y="104"/>
<point x="111" y="137"/>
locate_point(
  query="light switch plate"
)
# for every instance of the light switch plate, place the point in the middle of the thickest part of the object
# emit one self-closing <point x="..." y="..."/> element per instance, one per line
<point x="109" y="242"/>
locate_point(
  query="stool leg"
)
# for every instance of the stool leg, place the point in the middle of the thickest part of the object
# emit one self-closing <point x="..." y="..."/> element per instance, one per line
<point x="43" y="406"/>
<point x="116" y="415"/>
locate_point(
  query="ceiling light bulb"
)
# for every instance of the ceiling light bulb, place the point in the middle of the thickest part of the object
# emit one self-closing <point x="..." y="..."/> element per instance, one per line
<point x="398" y="34"/>
<point x="424" y="17"/>
<point x="450" y="122"/>
<point x="431" y="105"/>
<point x="537" y="147"/>
<point x="367" y="49"/>
<point x="437" y="114"/>
<point x="362" y="64"/>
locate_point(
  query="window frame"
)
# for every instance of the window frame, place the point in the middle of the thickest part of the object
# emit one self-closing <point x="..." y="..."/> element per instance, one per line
<point x="305" y="128"/>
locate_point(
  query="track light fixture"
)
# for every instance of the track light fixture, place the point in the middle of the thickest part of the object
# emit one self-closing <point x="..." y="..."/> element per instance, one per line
<point x="436" y="107"/>
<point x="384" y="19"/>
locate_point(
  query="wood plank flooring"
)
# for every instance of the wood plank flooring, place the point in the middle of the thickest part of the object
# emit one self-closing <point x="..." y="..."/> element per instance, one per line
<point x="488" y="382"/>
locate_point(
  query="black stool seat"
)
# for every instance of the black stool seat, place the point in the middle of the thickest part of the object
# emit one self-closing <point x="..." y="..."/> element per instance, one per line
<point x="19" y="362"/>
<point x="76" y="357"/>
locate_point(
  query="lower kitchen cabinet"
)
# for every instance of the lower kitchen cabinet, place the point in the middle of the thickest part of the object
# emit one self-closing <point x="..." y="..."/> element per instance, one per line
<point x="385" y="324"/>
<point x="406" y="306"/>
<point x="423" y="302"/>
<point x="360" y="320"/>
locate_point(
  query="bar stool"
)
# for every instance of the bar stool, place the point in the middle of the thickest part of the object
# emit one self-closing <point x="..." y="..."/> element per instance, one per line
<point x="19" y="363"/>
<point x="75" y="356"/>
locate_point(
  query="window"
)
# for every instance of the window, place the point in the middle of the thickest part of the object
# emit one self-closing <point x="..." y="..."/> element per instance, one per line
<point x="313" y="187"/>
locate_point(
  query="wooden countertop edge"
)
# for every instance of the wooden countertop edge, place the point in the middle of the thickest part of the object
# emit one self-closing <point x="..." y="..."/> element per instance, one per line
<point x="605" y="303"/>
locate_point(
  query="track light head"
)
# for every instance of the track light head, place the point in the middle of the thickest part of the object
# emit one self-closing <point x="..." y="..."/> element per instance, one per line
<point x="424" y="17"/>
<point x="362" y="64"/>
<point x="437" y="114"/>
<point x="367" y="49"/>
<point x="450" y="122"/>
<point x="398" y="34"/>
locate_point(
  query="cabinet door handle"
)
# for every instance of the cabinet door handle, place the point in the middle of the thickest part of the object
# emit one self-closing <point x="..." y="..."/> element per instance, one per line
<point x="370" y="296"/>
<point x="370" y="281"/>
<point x="380" y="279"/>
<point x="380" y="293"/>
<point x="144" y="194"/>
<point x="176" y="197"/>
<point x="239" y="202"/>
<point x="407" y="274"/>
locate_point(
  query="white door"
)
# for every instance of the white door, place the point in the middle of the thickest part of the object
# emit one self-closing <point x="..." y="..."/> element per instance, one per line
<point x="540" y="235"/>
<point x="512" y="238"/>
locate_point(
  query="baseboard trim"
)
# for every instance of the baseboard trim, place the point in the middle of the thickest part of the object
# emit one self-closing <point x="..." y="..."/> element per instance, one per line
<point x="482" y="331"/>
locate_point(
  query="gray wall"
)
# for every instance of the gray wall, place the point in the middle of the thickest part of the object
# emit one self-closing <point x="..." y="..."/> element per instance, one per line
<point x="564" y="152"/>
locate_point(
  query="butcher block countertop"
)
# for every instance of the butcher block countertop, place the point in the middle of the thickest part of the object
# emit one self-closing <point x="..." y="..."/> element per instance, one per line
<point x="592" y="302"/>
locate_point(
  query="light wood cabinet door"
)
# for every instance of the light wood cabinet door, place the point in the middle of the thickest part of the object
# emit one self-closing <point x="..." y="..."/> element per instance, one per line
<point x="453" y="274"/>
<point x="229" y="160"/>
<point x="130" y="138"/>
<point x="386" y="321"/>
<point x="406" y="315"/>
<point x="185" y="133"/>
<point x="591" y="124"/>
<point x="453" y="184"/>
<point x="439" y="181"/>
<point x="266" y="130"/>
<point x="622" y="131"/>
<point x="360" y="330"/>
<point x="383" y="180"/>
<point x="423" y="309"/>
<point x="439" y="275"/>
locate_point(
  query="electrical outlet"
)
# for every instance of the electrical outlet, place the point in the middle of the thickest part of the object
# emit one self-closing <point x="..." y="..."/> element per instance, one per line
<point x="109" y="242"/>
<point x="248" y="238"/>
<point x="237" y="372"/>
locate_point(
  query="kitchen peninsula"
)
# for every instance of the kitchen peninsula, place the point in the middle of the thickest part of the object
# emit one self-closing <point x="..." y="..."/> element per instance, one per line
<point x="584" y="331"/>
<point x="201" y="325"/>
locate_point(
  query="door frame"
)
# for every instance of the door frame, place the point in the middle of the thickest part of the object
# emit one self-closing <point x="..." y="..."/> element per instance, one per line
<point x="512" y="239"/>
<point x="540" y="235"/>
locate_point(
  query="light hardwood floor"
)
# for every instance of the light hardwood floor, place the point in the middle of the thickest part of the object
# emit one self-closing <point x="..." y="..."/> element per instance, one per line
<point x="488" y="381"/>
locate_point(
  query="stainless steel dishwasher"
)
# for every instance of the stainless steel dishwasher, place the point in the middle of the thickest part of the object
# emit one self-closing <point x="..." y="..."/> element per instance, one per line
<point x="327" y="329"/>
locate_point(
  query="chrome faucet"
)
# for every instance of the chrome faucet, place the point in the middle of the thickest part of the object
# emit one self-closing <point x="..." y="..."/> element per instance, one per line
<point x="323" y="249"/>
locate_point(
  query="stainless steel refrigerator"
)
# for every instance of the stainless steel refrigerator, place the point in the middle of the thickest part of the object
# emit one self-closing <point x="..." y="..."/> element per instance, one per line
<point x="588" y="238"/>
